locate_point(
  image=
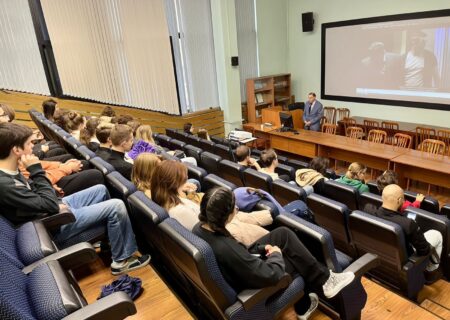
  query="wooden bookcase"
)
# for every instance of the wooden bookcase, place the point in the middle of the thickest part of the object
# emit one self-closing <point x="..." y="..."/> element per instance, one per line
<point x="265" y="92"/>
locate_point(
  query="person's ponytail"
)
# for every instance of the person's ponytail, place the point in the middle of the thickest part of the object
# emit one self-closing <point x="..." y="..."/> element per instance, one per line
<point x="216" y="207"/>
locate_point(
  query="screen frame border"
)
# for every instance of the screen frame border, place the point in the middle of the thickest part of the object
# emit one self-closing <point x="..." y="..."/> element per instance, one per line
<point x="389" y="18"/>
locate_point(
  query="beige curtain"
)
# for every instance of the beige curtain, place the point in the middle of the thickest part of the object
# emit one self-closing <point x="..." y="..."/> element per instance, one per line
<point x="113" y="51"/>
<point x="21" y="65"/>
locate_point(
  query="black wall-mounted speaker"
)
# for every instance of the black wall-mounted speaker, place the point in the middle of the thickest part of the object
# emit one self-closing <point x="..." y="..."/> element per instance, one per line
<point x="307" y="21"/>
<point x="234" y="61"/>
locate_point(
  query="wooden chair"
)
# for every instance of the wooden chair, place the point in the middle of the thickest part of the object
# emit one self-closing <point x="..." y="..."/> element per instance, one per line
<point x="342" y="113"/>
<point x="369" y="125"/>
<point x="329" y="128"/>
<point x="444" y="135"/>
<point x="330" y="114"/>
<point x="323" y="121"/>
<point x="423" y="133"/>
<point x="355" y="132"/>
<point x="377" y="136"/>
<point x="391" y="129"/>
<point x="433" y="146"/>
<point x="402" y="140"/>
<point x="348" y="122"/>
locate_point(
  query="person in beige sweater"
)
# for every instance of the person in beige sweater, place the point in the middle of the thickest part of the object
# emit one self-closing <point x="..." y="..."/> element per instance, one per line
<point x="312" y="179"/>
<point x="167" y="188"/>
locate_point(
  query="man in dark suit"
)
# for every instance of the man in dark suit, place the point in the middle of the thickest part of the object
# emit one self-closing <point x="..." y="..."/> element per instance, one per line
<point x="313" y="113"/>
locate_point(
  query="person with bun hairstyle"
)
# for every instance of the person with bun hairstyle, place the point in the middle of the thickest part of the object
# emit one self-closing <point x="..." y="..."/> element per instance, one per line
<point x="72" y="122"/>
<point x="264" y="262"/>
<point x="355" y="176"/>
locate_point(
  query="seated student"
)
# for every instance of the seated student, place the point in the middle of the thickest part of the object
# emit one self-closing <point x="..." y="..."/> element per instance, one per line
<point x="313" y="178"/>
<point x="49" y="109"/>
<point x="243" y="157"/>
<point x="355" y="176"/>
<point x="23" y="200"/>
<point x="421" y="243"/>
<point x="102" y="134"/>
<point x="123" y="119"/>
<point x="390" y="177"/>
<point x="72" y="122"/>
<point x="203" y="134"/>
<point x="122" y="140"/>
<point x="168" y="190"/>
<point x="87" y="135"/>
<point x="284" y="252"/>
<point x="269" y="162"/>
<point x="107" y="114"/>
<point x="188" y="128"/>
<point x="7" y="114"/>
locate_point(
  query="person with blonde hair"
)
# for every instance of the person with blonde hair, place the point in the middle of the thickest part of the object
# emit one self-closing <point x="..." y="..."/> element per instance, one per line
<point x="145" y="133"/>
<point x="355" y="177"/>
<point x="144" y="166"/>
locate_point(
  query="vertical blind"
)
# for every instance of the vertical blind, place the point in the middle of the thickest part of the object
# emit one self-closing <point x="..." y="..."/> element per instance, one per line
<point x="190" y="26"/>
<point x="247" y="42"/>
<point x="113" y="51"/>
<point x="21" y="65"/>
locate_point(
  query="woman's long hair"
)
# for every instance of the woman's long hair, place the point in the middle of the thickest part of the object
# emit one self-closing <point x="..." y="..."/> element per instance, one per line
<point x="354" y="170"/>
<point x="89" y="131"/>
<point x="144" y="132"/>
<point x="167" y="179"/>
<point x="215" y="209"/>
<point x="143" y="168"/>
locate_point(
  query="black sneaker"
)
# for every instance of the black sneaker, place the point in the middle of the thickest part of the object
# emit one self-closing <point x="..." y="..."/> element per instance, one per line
<point x="133" y="263"/>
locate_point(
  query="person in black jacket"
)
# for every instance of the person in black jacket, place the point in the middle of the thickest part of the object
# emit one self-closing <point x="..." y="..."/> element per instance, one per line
<point x="283" y="252"/>
<point x="22" y="201"/>
<point x="421" y="243"/>
<point x="122" y="141"/>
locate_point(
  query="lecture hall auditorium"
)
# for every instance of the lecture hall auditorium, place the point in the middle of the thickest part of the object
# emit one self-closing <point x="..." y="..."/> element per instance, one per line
<point x="224" y="159"/>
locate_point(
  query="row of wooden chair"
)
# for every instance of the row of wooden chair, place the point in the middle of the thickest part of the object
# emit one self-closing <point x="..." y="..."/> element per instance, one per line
<point x="331" y="115"/>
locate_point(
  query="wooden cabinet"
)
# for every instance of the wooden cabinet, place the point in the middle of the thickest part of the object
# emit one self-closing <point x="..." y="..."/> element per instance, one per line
<point x="265" y="92"/>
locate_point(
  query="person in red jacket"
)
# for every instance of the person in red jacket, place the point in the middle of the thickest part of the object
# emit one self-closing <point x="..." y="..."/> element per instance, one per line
<point x="390" y="177"/>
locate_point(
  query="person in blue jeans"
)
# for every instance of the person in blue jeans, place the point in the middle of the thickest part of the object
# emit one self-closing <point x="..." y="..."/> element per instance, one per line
<point x="24" y="200"/>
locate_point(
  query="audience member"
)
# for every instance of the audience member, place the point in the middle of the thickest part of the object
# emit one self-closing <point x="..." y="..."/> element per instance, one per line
<point x="313" y="178"/>
<point x="243" y="157"/>
<point x="8" y="114"/>
<point x="265" y="262"/>
<point x="124" y="119"/>
<point x="269" y="162"/>
<point x="49" y="108"/>
<point x="355" y="176"/>
<point x="108" y="111"/>
<point x="203" y="134"/>
<point x="188" y="128"/>
<point x="122" y="141"/>
<point x="134" y="125"/>
<point x="422" y="243"/>
<point x="72" y="122"/>
<point x="24" y="200"/>
<point x="87" y="134"/>
<point x="103" y="133"/>
<point x="143" y="168"/>
<point x="168" y="189"/>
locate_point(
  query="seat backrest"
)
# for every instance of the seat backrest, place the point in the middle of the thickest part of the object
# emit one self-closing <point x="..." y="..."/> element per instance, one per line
<point x="354" y="132"/>
<point x="224" y="152"/>
<point x="390" y="125"/>
<point x="173" y="133"/>
<point x="283" y="169"/>
<point x="176" y="144"/>
<point x="146" y="210"/>
<point x="196" y="260"/>
<point x="432" y="146"/>
<point x="377" y="136"/>
<point x="196" y="173"/>
<point x="329" y="128"/>
<point x="423" y="133"/>
<point x="370" y="202"/>
<point x="219" y="140"/>
<point x="192" y="151"/>
<point x="444" y="135"/>
<point x="445" y="210"/>
<point x="101" y="165"/>
<point x="371" y="123"/>
<point x="342" y="113"/>
<point x="232" y="171"/>
<point x="213" y="181"/>
<point x="164" y="140"/>
<point x="330" y="114"/>
<point x="258" y="180"/>
<point x="282" y="159"/>
<point x="119" y="187"/>
<point x="342" y="193"/>
<point x="192" y="140"/>
<point x="210" y="162"/>
<point x="373" y="187"/>
<point x="297" y="164"/>
<point x="402" y="140"/>
<point x="286" y="192"/>
<point x="85" y="153"/>
<point x="207" y="145"/>
<point x="429" y="203"/>
<point x="383" y="238"/>
<point x="332" y="216"/>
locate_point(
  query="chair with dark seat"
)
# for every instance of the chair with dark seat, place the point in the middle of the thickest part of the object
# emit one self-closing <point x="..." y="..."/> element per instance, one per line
<point x="192" y="151"/>
<point x="232" y="171"/>
<point x="445" y="210"/>
<point x="224" y="152"/>
<point x="430" y="221"/>
<point x="83" y="152"/>
<point x="342" y="193"/>
<point x="164" y="141"/>
<point x="71" y="144"/>
<point x="282" y="159"/>
<point x="173" y="133"/>
<point x="373" y="187"/>
<point x="213" y="181"/>
<point x="283" y="169"/>
<point x="214" y="296"/>
<point x="351" y="300"/>
<point x="192" y="140"/>
<point x="297" y="164"/>
<point x="196" y="173"/>
<point x="332" y="216"/>
<point x="219" y="140"/>
<point x="210" y="162"/>
<point x="119" y="187"/>
<point x="398" y="269"/>
<point x="286" y="192"/>
<point x="176" y="144"/>
<point x="429" y="204"/>
<point x="101" y="165"/>
<point x="167" y="156"/>
<point x="207" y="145"/>
<point x="370" y="202"/>
<point x="255" y="152"/>
<point x="258" y="180"/>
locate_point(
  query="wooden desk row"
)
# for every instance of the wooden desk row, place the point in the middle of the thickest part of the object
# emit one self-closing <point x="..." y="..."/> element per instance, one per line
<point x="408" y="163"/>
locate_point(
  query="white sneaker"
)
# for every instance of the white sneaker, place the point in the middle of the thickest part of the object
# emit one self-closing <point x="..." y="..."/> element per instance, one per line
<point x="336" y="282"/>
<point x="312" y="307"/>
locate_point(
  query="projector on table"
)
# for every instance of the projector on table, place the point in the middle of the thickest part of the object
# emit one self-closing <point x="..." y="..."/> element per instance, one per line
<point x="237" y="135"/>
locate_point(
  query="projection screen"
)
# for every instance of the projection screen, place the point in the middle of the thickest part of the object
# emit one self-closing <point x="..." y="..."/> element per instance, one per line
<point x="398" y="60"/>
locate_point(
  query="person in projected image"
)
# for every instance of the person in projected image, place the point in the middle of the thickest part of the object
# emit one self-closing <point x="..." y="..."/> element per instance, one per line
<point x="420" y="64"/>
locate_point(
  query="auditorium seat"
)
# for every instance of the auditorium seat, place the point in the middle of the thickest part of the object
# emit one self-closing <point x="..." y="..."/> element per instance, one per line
<point x="258" y="180"/>
<point x="119" y="187"/>
<point x="429" y="204"/>
<point x="195" y="258"/>
<point x="210" y="162"/>
<point x="283" y="169"/>
<point x="369" y="202"/>
<point x="102" y="165"/>
<point x="192" y="151"/>
<point x="163" y="140"/>
<point x="166" y="156"/>
<point x="373" y="187"/>
<point x="192" y="140"/>
<point x="224" y="152"/>
<point x="286" y="192"/>
<point x="255" y="152"/>
<point x="213" y="181"/>
<point x="50" y="292"/>
<point x="196" y="173"/>
<point x="400" y="271"/>
<point x="342" y="193"/>
<point x="173" y="133"/>
<point x="232" y="171"/>
<point x="332" y="216"/>
<point x="176" y="144"/>
<point x="206" y="145"/>
<point x="430" y="221"/>
<point x="282" y="159"/>
<point x="83" y="152"/>
<point x="219" y="140"/>
<point x="352" y="299"/>
<point x="71" y="144"/>
<point x="445" y="210"/>
<point x="297" y="164"/>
